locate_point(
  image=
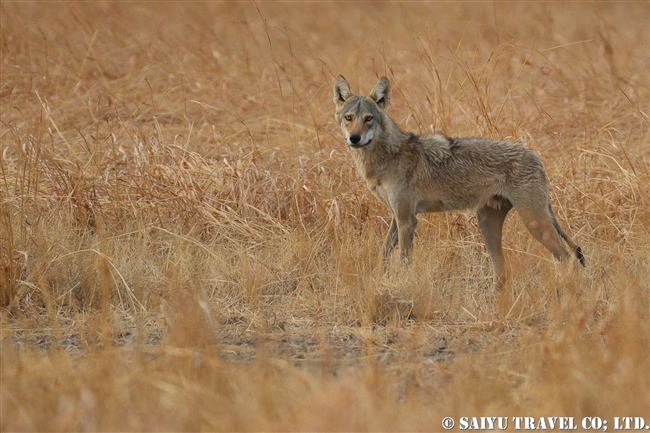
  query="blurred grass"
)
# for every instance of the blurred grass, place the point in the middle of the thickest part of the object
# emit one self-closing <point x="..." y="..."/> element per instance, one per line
<point x="185" y="245"/>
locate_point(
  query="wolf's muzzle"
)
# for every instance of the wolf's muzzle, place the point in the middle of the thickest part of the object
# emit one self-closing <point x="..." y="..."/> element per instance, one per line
<point x="355" y="141"/>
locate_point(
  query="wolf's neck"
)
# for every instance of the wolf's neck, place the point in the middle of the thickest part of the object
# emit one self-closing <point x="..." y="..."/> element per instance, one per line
<point x="385" y="146"/>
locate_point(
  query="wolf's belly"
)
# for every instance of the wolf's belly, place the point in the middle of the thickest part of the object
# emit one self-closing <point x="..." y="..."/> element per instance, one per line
<point x="460" y="202"/>
<point x="434" y="205"/>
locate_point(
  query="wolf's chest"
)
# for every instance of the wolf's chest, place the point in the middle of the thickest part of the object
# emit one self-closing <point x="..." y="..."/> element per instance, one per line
<point x="380" y="192"/>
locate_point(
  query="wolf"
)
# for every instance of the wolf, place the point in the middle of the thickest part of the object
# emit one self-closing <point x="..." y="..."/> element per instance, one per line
<point x="414" y="174"/>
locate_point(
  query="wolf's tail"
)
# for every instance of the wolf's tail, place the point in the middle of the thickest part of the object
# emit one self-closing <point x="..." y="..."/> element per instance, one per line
<point x="576" y="249"/>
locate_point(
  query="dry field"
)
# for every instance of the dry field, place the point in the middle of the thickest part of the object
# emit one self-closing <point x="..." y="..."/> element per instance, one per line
<point x="185" y="243"/>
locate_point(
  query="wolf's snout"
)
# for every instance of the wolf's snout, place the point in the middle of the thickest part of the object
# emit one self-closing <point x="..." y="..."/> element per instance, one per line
<point x="355" y="138"/>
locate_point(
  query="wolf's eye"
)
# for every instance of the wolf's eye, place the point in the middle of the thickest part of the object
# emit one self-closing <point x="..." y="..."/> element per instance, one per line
<point x="348" y="118"/>
<point x="369" y="118"/>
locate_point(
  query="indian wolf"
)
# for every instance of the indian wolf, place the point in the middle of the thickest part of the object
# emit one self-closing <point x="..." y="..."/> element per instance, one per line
<point x="413" y="174"/>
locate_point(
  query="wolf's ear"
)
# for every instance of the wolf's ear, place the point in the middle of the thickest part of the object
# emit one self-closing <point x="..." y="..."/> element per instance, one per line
<point x="342" y="90"/>
<point x="381" y="92"/>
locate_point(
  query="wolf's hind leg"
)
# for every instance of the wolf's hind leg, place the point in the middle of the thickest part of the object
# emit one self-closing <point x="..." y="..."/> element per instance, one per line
<point x="539" y="223"/>
<point x="490" y="221"/>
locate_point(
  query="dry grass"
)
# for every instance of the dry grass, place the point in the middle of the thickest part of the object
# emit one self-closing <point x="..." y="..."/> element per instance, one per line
<point x="185" y="244"/>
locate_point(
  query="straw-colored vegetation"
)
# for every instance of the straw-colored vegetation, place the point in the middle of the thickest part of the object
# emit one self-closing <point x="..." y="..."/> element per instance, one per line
<point x="185" y="243"/>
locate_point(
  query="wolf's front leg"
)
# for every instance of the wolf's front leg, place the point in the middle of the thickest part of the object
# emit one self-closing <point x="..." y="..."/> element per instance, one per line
<point x="406" y="231"/>
<point x="391" y="239"/>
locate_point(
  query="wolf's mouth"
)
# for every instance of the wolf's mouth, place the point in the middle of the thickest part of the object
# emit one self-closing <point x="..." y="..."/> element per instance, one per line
<point x="358" y="145"/>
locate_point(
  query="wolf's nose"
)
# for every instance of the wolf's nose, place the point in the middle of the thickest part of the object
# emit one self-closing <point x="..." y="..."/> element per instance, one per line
<point x="355" y="138"/>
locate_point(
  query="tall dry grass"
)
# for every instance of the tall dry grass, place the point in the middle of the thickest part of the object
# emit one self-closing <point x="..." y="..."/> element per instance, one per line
<point x="185" y="244"/>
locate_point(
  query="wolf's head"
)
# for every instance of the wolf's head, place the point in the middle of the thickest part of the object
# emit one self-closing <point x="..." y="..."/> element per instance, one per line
<point x="361" y="117"/>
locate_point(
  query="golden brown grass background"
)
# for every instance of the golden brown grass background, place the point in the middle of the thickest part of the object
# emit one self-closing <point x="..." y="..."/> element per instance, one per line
<point x="186" y="245"/>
